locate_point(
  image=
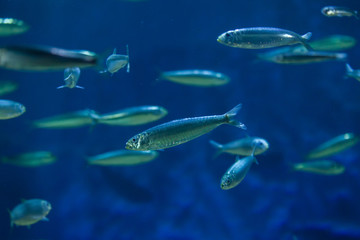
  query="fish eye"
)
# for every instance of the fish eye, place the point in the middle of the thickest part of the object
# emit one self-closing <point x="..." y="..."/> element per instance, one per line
<point x="227" y="34"/>
<point x="133" y="139"/>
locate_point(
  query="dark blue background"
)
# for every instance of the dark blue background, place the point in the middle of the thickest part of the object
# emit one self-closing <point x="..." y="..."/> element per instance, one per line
<point x="178" y="196"/>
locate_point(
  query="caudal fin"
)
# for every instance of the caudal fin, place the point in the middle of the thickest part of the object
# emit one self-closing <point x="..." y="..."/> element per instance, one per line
<point x="232" y="117"/>
<point x="305" y="38"/>
<point x="219" y="148"/>
<point x="349" y="68"/>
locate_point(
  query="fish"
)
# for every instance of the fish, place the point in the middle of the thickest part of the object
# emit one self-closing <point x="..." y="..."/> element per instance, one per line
<point x="12" y="26"/>
<point x="199" y="78"/>
<point x="352" y="73"/>
<point x="29" y="212"/>
<point x="71" y="76"/>
<point x="180" y="131"/>
<point x="263" y="37"/>
<point x="7" y="87"/>
<point x="335" y="11"/>
<point x="10" y="109"/>
<point x="116" y="61"/>
<point x="122" y="158"/>
<point x="44" y="58"/>
<point x="305" y="57"/>
<point x="242" y="147"/>
<point x="68" y="120"/>
<point x="132" y="116"/>
<point x="30" y="159"/>
<point x="325" y="167"/>
<point x="334" y="146"/>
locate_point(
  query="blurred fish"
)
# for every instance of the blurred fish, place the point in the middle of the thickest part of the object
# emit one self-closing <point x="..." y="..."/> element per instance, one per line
<point x="334" y="145"/>
<point x="116" y="61"/>
<point x="122" y="158"/>
<point x="31" y="159"/>
<point x="69" y="120"/>
<point x="352" y="73"/>
<point x="334" y="11"/>
<point x="325" y="167"/>
<point x="199" y="78"/>
<point x="10" y="109"/>
<point x="12" y="26"/>
<point x="243" y="147"/>
<point x="43" y="58"/>
<point x="132" y="116"/>
<point x="304" y="57"/>
<point x="181" y="131"/>
<point x="30" y="212"/>
<point x="71" y="78"/>
<point x="262" y="37"/>
<point x="7" y="87"/>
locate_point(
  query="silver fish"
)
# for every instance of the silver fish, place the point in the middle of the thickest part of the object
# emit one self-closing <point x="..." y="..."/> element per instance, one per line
<point x="352" y="73"/>
<point x="10" y="109"/>
<point x="262" y="37"/>
<point x="335" y="11"/>
<point x="199" y="78"/>
<point x="181" y="131"/>
<point x="305" y="57"/>
<point x="29" y="212"/>
<point x="7" y="87"/>
<point x="71" y="78"/>
<point x="325" y="167"/>
<point x="12" y="26"/>
<point x="43" y="58"/>
<point x="122" y="158"/>
<point x="116" y="61"/>
<point x="31" y="159"/>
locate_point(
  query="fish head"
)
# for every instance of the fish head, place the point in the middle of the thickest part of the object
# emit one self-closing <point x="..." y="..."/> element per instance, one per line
<point x="46" y="207"/>
<point x="227" y="181"/>
<point x="21" y="108"/>
<point x="260" y="144"/>
<point x="115" y="62"/>
<point x="226" y="38"/>
<point x="328" y="11"/>
<point x="138" y="142"/>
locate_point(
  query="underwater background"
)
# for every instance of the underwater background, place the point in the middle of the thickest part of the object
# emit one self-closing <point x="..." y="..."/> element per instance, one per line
<point x="178" y="195"/>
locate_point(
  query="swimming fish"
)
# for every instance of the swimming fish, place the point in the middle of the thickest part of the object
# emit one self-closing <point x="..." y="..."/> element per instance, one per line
<point x="177" y="132"/>
<point x="199" y="78"/>
<point x="305" y="57"/>
<point x="12" y="26"/>
<point x="334" y="11"/>
<point x="325" y="167"/>
<point x="68" y="120"/>
<point x="262" y="37"/>
<point x="43" y="58"/>
<point x="352" y="73"/>
<point x="10" y="109"/>
<point x="334" y="145"/>
<point x="7" y="87"/>
<point x="116" y="61"/>
<point x="132" y="116"/>
<point x="71" y="76"/>
<point x="29" y="212"/>
<point x="123" y="158"/>
<point x="31" y="159"/>
<point x="243" y="146"/>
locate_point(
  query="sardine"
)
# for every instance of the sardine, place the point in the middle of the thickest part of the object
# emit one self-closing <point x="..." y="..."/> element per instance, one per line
<point x="29" y="212"/>
<point x="306" y="57"/>
<point x="325" y="167"/>
<point x="7" y="87"/>
<point x="31" y="159"/>
<point x="12" y="26"/>
<point x="122" y="158"/>
<point x="71" y="77"/>
<point x="335" y="11"/>
<point x="10" y="109"/>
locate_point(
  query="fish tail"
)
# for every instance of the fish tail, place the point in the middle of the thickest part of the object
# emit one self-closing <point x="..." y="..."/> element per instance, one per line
<point x="218" y="147"/>
<point x="349" y="68"/>
<point x="306" y="38"/>
<point x="63" y="86"/>
<point x="357" y="14"/>
<point x="232" y="115"/>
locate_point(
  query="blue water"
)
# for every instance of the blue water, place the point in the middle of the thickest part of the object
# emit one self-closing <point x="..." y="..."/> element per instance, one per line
<point x="178" y="195"/>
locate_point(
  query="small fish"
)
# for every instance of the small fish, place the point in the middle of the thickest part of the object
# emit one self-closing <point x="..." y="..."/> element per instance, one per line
<point x="199" y="78"/>
<point x="306" y="57"/>
<point x="31" y="159"/>
<point x="325" y="167"/>
<point x="71" y="76"/>
<point x="29" y="212"/>
<point x="123" y="158"/>
<point x="132" y="116"/>
<point x="116" y="61"/>
<point x="43" y="58"/>
<point x="243" y="147"/>
<point x="352" y="73"/>
<point x="334" y="146"/>
<point x="12" y="26"/>
<point x="7" y="87"/>
<point x="334" y="11"/>
<point x="69" y="120"/>
<point x="177" y="132"/>
<point x="262" y="37"/>
<point x="10" y="109"/>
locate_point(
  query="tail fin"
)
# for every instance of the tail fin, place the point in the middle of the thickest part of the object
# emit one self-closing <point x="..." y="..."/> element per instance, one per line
<point x="306" y="38"/>
<point x="357" y="14"/>
<point x="232" y="114"/>
<point x="349" y="68"/>
<point x="219" y="148"/>
<point x="128" y="64"/>
<point x="63" y="86"/>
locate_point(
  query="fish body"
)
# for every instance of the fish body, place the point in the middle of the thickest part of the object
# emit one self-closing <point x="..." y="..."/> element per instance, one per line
<point x="132" y="116"/>
<point x="43" y="58"/>
<point x="10" y="109"/>
<point x="7" y="87"/>
<point x="307" y="57"/>
<point x="30" y="212"/>
<point x="180" y="131"/>
<point x="71" y="77"/>
<point x="122" y="158"/>
<point x="199" y="78"/>
<point x="334" y="146"/>
<point x="324" y="167"/>
<point x="335" y="11"/>
<point x="115" y="62"/>
<point x="242" y="147"/>
<point x="69" y="120"/>
<point x="31" y="159"/>
<point x="262" y="37"/>
<point x="12" y="26"/>
<point x="352" y="73"/>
